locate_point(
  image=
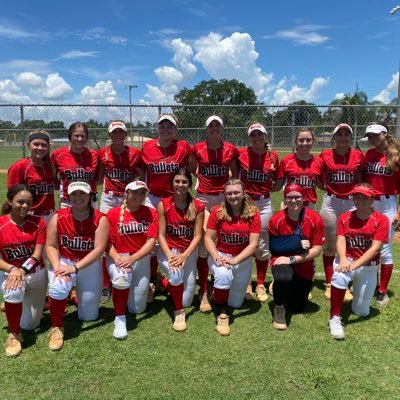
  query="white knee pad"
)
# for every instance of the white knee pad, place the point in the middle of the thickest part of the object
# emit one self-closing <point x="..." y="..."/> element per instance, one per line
<point x="14" y="296"/>
<point x="120" y="278"/>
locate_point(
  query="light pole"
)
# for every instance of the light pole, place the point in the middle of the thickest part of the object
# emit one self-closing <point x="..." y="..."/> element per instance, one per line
<point x="393" y="11"/>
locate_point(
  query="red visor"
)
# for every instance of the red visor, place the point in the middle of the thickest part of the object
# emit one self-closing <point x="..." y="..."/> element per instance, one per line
<point x="365" y="190"/>
<point x="293" y="187"/>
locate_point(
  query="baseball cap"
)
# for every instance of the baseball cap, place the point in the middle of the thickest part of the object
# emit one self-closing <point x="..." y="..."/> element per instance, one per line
<point x="116" y="125"/>
<point x="375" y="129"/>
<point x="343" y="126"/>
<point x="83" y="186"/>
<point x="214" y="118"/>
<point x="365" y="190"/>
<point x="136" y="185"/>
<point x="256" y="127"/>
<point x="167" y="117"/>
<point x="293" y="187"/>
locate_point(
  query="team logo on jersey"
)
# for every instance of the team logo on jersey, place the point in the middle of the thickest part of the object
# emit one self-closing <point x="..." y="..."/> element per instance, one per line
<point x="304" y="181"/>
<point x="42" y="188"/>
<point x="119" y="174"/>
<point x="18" y="252"/>
<point x="163" y="167"/>
<point x="180" y="230"/>
<point x="134" y="227"/>
<point x="213" y="170"/>
<point x="377" y="169"/>
<point x="341" y="177"/>
<point x="358" y="242"/>
<point x="77" y="243"/>
<point x="79" y="173"/>
<point x="256" y="176"/>
<point x="234" y="238"/>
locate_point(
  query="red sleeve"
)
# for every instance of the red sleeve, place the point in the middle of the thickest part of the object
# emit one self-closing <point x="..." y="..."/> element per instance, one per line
<point x="111" y="221"/>
<point x="318" y="236"/>
<point x="275" y="160"/>
<point x="382" y="230"/>
<point x="200" y="206"/>
<point x="13" y="175"/>
<point x="41" y="237"/>
<point x="281" y="172"/>
<point x="153" y="228"/>
<point x="255" y="225"/>
<point x="212" y="222"/>
<point x="272" y="226"/>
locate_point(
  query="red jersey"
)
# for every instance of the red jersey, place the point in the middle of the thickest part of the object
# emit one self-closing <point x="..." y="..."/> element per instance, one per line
<point x="312" y="227"/>
<point x="119" y="168"/>
<point x="303" y="172"/>
<point x="160" y="164"/>
<point x="41" y="179"/>
<point x="383" y="180"/>
<point x="258" y="171"/>
<point x="73" y="166"/>
<point x="179" y="231"/>
<point x="340" y="172"/>
<point x="233" y="236"/>
<point x="360" y="233"/>
<point x="76" y="238"/>
<point x="136" y="227"/>
<point x="18" y="242"/>
<point x="213" y="166"/>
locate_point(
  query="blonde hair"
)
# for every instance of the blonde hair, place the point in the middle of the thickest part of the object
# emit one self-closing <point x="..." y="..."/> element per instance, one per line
<point x="121" y="216"/>
<point x="248" y="208"/>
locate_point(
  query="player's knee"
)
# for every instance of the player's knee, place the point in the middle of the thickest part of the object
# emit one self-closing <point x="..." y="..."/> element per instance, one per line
<point x="340" y="280"/>
<point x="122" y="281"/>
<point x="14" y="296"/>
<point x="175" y="278"/>
<point x="223" y="278"/>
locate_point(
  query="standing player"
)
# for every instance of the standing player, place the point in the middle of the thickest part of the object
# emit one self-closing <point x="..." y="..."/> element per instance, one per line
<point x="302" y="167"/>
<point x="181" y="220"/>
<point x="293" y="273"/>
<point x="38" y="173"/>
<point x="216" y="163"/>
<point x="161" y="157"/>
<point x="342" y="170"/>
<point x="133" y="234"/>
<point x="258" y="168"/>
<point x="381" y="171"/>
<point x="76" y="162"/>
<point x="22" y="237"/>
<point x="76" y="239"/>
<point x="360" y="236"/>
<point x="231" y="239"/>
<point x="118" y="165"/>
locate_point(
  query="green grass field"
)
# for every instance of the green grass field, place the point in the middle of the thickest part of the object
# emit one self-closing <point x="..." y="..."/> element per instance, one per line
<point x="255" y="362"/>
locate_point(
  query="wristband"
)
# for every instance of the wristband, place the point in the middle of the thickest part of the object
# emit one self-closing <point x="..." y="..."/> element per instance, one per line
<point x="29" y="264"/>
<point x="292" y="260"/>
<point x="76" y="269"/>
<point x="12" y="267"/>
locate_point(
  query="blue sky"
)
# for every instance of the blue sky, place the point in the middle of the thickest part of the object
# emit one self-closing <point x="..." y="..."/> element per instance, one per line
<point x="87" y="51"/>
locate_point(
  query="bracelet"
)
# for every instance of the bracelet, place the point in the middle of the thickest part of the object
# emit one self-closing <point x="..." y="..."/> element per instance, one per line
<point x="76" y="269"/>
<point x="12" y="267"/>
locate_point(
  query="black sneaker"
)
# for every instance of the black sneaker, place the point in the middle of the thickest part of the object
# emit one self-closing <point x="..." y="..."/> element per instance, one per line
<point x="382" y="299"/>
<point x="105" y="295"/>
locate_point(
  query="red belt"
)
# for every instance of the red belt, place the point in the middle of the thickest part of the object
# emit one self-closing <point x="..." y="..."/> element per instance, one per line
<point x="339" y="196"/>
<point x="259" y="196"/>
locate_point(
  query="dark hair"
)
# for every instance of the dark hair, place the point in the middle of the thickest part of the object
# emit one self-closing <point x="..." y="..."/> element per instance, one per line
<point x="11" y="193"/>
<point x="75" y="125"/>
<point x="191" y="209"/>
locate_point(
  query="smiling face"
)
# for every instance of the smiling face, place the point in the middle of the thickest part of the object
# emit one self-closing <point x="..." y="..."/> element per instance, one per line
<point x="294" y="201"/>
<point x="180" y="184"/>
<point x="343" y="138"/>
<point x="166" y="131"/>
<point x="304" y="142"/>
<point x="214" y="130"/>
<point x="79" y="199"/>
<point x="39" y="149"/>
<point x="377" y="139"/>
<point x="118" y="136"/>
<point x="135" y="198"/>
<point x="361" y="202"/>
<point x="257" y="139"/>
<point x="234" y="195"/>
<point x="21" y="205"/>
<point x="78" y="138"/>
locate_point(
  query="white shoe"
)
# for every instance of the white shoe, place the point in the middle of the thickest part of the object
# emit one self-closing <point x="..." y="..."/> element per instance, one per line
<point x="120" y="331"/>
<point x="336" y="328"/>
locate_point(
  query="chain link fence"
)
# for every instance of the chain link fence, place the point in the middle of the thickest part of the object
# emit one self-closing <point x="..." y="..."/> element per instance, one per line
<point x="17" y="121"/>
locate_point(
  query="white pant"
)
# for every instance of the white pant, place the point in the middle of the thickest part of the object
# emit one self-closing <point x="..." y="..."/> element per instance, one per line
<point x="364" y="284"/>
<point x="186" y="275"/>
<point x="235" y="278"/>
<point x="265" y="207"/>
<point x="88" y="284"/>
<point x="137" y="281"/>
<point x="32" y="294"/>
<point x="331" y="209"/>
<point x="387" y="207"/>
<point x="109" y="201"/>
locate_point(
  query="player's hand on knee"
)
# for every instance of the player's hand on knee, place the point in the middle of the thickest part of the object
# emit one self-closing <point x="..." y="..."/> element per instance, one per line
<point x="15" y="279"/>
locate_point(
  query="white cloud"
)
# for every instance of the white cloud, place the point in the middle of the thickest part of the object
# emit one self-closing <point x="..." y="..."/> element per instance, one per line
<point x="340" y="96"/>
<point x="78" y="54"/>
<point x="55" y="88"/>
<point x="302" y="35"/>
<point x="12" y="66"/>
<point x="166" y="32"/>
<point x="11" y="93"/>
<point x="10" y="31"/>
<point x="29" y="80"/>
<point x="173" y="78"/>
<point x="102" y="92"/>
<point x="99" y="33"/>
<point x="297" y="93"/>
<point x="233" y="57"/>
<point x="390" y="90"/>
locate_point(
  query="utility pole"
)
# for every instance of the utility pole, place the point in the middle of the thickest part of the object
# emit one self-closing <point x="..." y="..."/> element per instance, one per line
<point x="130" y="87"/>
<point x="393" y="11"/>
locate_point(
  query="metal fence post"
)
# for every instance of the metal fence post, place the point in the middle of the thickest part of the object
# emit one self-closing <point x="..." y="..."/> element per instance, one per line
<point x="22" y="131"/>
